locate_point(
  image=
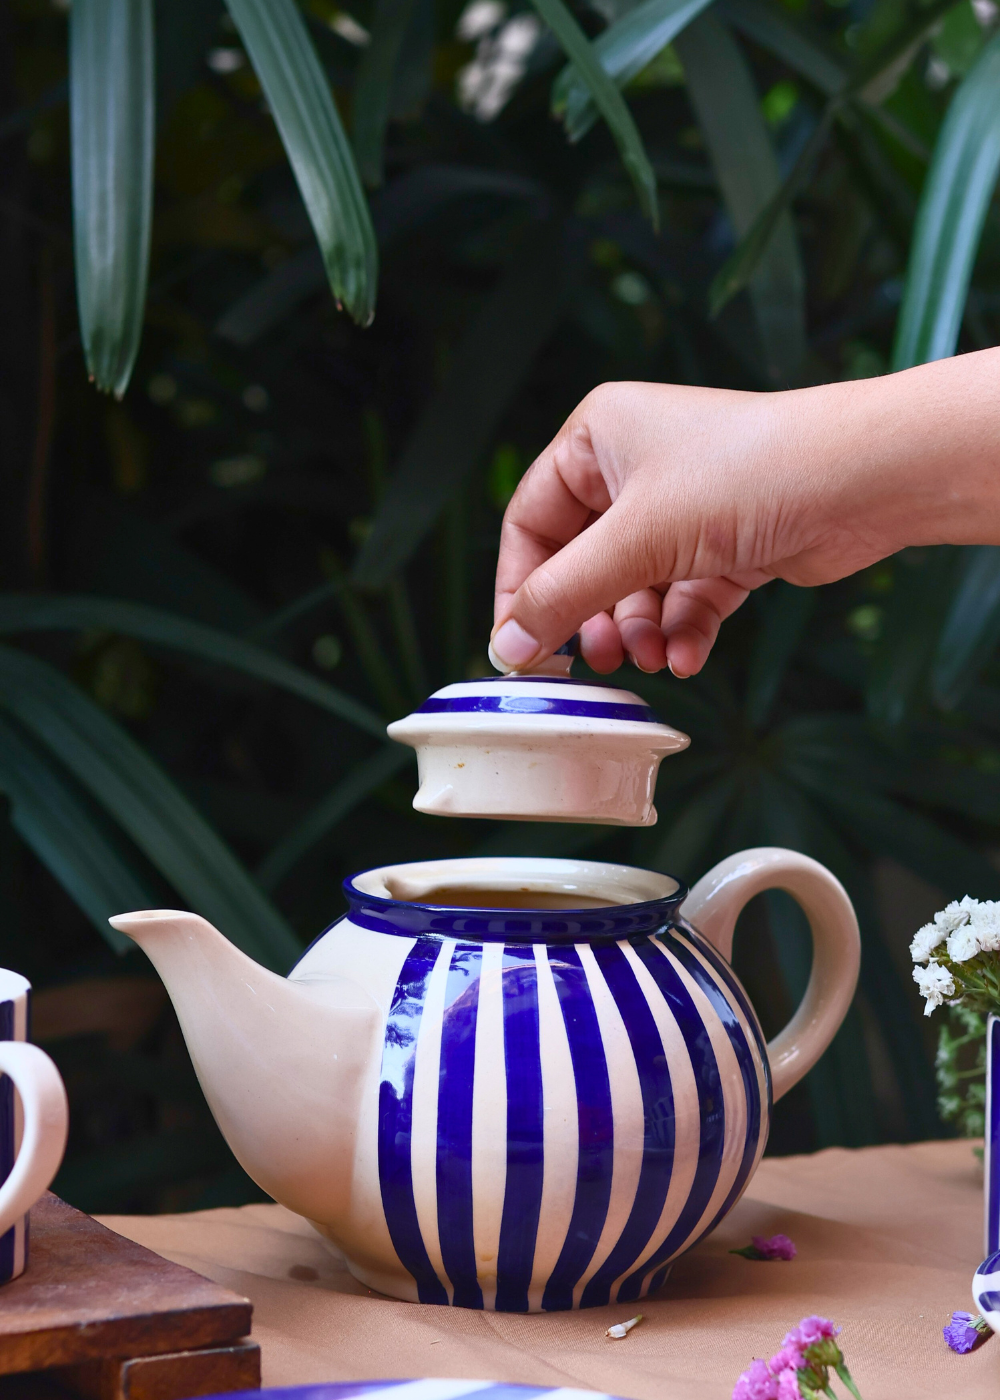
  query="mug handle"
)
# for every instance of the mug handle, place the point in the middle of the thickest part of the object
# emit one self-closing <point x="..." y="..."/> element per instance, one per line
<point x="46" y="1124"/>
<point x="713" y="907"/>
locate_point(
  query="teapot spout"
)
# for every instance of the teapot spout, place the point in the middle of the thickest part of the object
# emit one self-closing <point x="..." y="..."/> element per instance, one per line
<point x="282" y="1064"/>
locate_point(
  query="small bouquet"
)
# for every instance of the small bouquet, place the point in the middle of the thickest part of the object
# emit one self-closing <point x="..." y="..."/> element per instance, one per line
<point x="957" y="957"/>
<point x="801" y="1369"/>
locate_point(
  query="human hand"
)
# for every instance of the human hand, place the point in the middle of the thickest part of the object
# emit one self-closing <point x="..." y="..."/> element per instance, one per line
<point x="657" y="508"/>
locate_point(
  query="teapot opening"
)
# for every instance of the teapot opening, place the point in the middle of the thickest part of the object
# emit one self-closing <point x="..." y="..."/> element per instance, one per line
<point x="466" y="897"/>
<point x="515" y="882"/>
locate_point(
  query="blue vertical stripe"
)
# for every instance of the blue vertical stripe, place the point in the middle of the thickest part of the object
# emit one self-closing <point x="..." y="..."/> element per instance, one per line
<point x="739" y="996"/>
<point x="525" y="1157"/>
<point x="993" y="1136"/>
<point x="454" y="1124"/>
<point x="6" y="1137"/>
<point x="745" y="1060"/>
<point x="595" y="1126"/>
<point x="395" y="1118"/>
<point x="712" y="1111"/>
<point x="658" y="1123"/>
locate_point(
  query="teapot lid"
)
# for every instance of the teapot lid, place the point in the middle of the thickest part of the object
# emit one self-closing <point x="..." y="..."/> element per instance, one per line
<point x="538" y="746"/>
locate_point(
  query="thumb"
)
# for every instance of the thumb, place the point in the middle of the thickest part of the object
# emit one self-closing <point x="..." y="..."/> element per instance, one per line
<point x="608" y="561"/>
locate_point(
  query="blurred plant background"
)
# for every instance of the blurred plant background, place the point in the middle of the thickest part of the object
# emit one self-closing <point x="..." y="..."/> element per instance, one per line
<point x="220" y="582"/>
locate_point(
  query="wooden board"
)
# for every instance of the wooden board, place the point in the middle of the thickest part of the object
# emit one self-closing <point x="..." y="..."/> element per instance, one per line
<point x="91" y="1301"/>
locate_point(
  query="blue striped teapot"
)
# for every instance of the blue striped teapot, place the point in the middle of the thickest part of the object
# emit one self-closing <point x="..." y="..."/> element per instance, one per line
<point x="516" y="1084"/>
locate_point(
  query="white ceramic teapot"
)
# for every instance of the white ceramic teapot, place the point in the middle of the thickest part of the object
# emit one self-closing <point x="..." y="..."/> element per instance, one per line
<point x="518" y="1084"/>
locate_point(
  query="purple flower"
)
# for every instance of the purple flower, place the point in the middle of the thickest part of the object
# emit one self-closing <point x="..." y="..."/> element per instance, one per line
<point x="756" y="1383"/>
<point x="788" y="1386"/>
<point x="787" y="1359"/>
<point x="962" y="1333"/>
<point x="777" y="1247"/>
<point x="809" y="1331"/>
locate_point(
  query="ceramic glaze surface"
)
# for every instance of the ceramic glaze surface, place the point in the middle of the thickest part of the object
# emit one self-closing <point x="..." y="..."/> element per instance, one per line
<point x="616" y="1087"/>
<point x="991" y="1141"/>
<point x="538" y="747"/>
<point x="509" y="1108"/>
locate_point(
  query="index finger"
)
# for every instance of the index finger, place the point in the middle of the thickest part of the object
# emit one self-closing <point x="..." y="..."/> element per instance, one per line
<point x="562" y="492"/>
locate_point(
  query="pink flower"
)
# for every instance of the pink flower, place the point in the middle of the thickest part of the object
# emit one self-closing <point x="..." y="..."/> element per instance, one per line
<point x="789" y="1358"/>
<point x="756" y="1383"/>
<point x="788" y="1386"/>
<point x="810" y="1330"/>
<point x="777" y="1247"/>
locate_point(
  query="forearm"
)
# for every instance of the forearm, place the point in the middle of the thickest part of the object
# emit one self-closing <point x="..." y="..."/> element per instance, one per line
<point x="911" y="458"/>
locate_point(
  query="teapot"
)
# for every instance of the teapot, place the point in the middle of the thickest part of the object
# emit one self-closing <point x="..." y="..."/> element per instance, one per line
<point x="508" y="1083"/>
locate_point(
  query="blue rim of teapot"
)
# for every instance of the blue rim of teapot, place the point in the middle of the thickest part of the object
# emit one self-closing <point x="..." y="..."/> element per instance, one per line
<point x="398" y="916"/>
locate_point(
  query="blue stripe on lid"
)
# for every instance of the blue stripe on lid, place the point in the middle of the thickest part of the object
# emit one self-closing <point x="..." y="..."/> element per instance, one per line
<point x="525" y="1158"/>
<point x="395" y="1119"/>
<point x="454" y="1124"/>
<point x="658" y="1130"/>
<point x="595" y="1121"/>
<point x="538" y="705"/>
<point x="712" y="1113"/>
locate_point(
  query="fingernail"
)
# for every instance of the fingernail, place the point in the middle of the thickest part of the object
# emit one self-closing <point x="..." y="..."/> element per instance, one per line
<point x="512" y="645"/>
<point x="681" y="676"/>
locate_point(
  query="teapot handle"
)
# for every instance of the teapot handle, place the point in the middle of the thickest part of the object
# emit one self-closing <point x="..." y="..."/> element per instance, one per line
<point x="713" y="907"/>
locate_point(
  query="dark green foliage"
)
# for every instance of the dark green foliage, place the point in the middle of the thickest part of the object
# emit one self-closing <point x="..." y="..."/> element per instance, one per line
<point x="216" y="592"/>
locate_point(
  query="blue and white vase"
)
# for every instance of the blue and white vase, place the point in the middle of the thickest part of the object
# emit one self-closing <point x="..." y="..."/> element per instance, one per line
<point x="33" y="1123"/>
<point x="991" y="1137"/>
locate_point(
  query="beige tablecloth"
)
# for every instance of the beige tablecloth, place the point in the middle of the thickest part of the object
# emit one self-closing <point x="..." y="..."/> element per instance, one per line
<point x="888" y="1239"/>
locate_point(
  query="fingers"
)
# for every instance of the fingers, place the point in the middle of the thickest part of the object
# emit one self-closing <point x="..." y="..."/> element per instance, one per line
<point x="601" y="644"/>
<point x="638" y="620"/>
<point x="561" y="494"/>
<point x="692" y="614"/>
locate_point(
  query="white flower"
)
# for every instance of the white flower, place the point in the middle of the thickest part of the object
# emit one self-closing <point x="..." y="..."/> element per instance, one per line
<point x="925" y="940"/>
<point x="936" y="984"/>
<point x="986" y="922"/>
<point x="964" y="943"/>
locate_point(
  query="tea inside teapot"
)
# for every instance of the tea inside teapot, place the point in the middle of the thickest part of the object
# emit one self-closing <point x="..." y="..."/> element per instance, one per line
<point x="466" y="897"/>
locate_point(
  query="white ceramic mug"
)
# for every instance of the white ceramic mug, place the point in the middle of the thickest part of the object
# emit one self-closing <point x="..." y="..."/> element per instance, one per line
<point x="34" y="1120"/>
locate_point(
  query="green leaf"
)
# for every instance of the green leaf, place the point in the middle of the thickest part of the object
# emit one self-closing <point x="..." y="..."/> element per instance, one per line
<point x="111" y="129"/>
<point x="922" y="590"/>
<point x="608" y="101"/>
<point x="373" y="85"/>
<point x="359" y="782"/>
<point x="140" y="797"/>
<point x="623" y="50"/>
<point x="972" y="628"/>
<point x="787" y="611"/>
<point x="953" y="205"/>
<point x="727" y="105"/>
<point x="37" y="613"/>
<point x="784" y="35"/>
<point x="691" y="832"/>
<point x="455" y="428"/>
<point x="69" y="835"/>
<point x="299" y="96"/>
<point x="739" y="267"/>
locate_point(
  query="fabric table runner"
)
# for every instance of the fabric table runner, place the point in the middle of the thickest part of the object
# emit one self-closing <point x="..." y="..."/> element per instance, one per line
<point x="888" y="1239"/>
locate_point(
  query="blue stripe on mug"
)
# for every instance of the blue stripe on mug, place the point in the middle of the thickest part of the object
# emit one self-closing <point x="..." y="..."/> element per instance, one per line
<point x="15" y="1013"/>
<point x="454" y="1124"/>
<point x="537" y="705"/>
<point x="525" y="1129"/>
<point x="395" y="1119"/>
<point x="595" y="1127"/>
